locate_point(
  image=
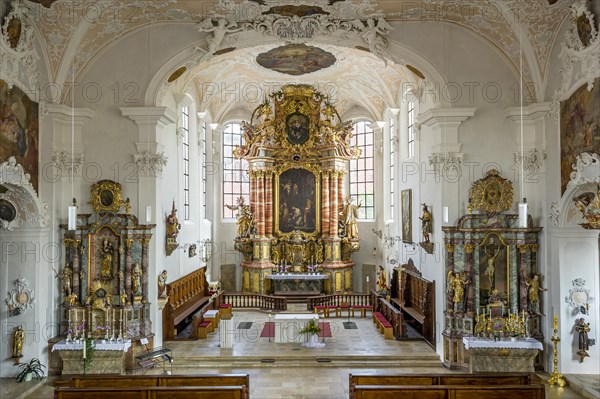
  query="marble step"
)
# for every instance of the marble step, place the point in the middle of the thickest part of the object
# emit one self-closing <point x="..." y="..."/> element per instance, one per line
<point x="306" y="361"/>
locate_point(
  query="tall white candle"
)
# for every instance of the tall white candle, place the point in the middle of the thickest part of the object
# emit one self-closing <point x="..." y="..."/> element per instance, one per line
<point x="84" y="347"/>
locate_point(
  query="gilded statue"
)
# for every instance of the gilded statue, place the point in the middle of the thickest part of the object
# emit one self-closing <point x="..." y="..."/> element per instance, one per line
<point x="381" y="280"/>
<point x="173" y="225"/>
<point x="480" y="324"/>
<point x="18" y="340"/>
<point x="72" y="299"/>
<point x="426" y="221"/>
<point x="533" y="289"/>
<point x="123" y="297"/>
<point x="245" y="218"/>
<point x="456" y="283"/>
<point x="491" y="252"/>
<point x="136" y="279"/>
<point x="65" y="276"/>
<point x="583" y="329"/>
<point x="349" y="217"/>
<point x="106" y="258"/>
<point x="162" y="284"/>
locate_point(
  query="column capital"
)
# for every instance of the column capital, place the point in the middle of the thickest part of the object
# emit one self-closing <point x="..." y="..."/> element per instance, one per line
<point x="150" y="116"/>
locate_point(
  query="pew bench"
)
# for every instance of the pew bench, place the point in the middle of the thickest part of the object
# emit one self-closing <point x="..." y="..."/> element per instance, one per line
<point x="192" y="380"/>
<point x="536" y="391"/>
<point x="362" y="308"/>
<point x="482" y="379"/>
<point x="203" y="329"/>
<point x="384" y="326"/>
<point x="163" y="392"/>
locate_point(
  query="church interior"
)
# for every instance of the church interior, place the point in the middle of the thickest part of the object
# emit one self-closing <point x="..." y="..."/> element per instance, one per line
<point x="287" y="199"/>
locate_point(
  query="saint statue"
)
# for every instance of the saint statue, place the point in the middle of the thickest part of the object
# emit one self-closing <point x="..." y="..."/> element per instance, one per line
<point x="349" y="216"/>
<point x="245" y="218"/>
<point x="426" y="220"/>
<point x="162" y="284"/>
<point x="583" y="329"/>
<point x="491" y="252"/>
<point x="533" y="295"/>
<point x="65" y="277"/>
<point x="456" y="283"/>
<point x="173" y="225"/>
<point x="106" y="258"/>
<point x="136" y="279"/>
<point x="381" y="281"/>
<point x="18" y="340"/>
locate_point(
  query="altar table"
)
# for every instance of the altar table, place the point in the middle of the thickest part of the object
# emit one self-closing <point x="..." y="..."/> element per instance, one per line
<point x="288" y="326"/>
<point x="487" y="355"/>
<point x="308" y="283"/>
<point x="108" y="358"/>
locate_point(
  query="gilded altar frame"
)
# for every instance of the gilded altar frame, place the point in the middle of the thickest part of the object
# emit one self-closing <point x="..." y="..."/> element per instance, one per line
<point x="315" y="171"/>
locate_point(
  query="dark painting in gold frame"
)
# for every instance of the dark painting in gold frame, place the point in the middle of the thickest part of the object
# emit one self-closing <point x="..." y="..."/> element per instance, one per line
<point x="297" y="201"/>
<point x="406" y="202"/>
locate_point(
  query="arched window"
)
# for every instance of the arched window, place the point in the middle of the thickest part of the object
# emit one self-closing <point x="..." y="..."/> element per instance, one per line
<point x="235" y="171"/>
<point x="411" y="129"/>
<point x="185" y="126"/>
<point x="361" y="170"/>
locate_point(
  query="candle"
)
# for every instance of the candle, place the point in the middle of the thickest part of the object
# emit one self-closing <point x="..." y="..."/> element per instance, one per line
<point x="84" y="347"/>
<point x="367" y="279"/>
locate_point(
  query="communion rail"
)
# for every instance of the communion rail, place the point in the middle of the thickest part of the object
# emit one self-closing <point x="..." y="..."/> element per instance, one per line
<point x="338" y="299"/>
<point x="238" y="300"/>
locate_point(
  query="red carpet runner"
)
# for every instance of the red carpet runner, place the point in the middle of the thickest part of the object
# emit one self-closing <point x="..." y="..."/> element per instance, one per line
<point x="268" y="330"/>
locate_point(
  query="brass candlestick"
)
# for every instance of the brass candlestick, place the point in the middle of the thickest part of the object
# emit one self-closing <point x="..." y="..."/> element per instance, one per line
<point x="556" y="377"/>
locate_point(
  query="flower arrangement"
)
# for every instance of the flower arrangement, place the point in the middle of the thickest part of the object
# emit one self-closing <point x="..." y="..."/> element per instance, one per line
<point x="311" y="328"/>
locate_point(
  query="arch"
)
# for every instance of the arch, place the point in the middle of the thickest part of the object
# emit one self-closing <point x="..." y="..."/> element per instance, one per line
<point x="19" y="192"/>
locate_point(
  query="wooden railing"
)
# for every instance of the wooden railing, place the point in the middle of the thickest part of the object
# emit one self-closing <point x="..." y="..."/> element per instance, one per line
<point x="337" y="299"/>
<point x="238" y="300"/>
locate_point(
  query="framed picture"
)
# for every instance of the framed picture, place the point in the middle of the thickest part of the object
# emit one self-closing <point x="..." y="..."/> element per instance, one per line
<point x="297" y="201"/>
<point x="296" y="128"/>
<point x="406" y="202"/>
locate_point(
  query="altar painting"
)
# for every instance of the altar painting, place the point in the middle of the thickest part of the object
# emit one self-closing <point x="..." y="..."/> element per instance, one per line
<point x="19" y="130"/>
<point x="297" y="201"/>
<point x="494" y="277"/>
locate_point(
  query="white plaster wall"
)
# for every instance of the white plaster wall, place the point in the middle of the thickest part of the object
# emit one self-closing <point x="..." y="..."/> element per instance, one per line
<point x="26" y="252"/>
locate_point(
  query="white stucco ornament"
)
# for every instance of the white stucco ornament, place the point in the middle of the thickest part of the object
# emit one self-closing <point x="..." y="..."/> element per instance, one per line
<point x="20" y="298"/>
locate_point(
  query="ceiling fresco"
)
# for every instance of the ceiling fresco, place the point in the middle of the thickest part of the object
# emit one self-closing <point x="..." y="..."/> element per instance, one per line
<point x="296" y="59"/>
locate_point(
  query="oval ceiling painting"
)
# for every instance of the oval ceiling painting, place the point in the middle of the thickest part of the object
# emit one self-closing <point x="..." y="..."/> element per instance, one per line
<point x="296" y="59"/>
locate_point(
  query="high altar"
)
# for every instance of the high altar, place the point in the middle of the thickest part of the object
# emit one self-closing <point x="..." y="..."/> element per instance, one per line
<point x="104" y="279"/>
<point x="298" y="221"/>
<point x="493" y="284"/>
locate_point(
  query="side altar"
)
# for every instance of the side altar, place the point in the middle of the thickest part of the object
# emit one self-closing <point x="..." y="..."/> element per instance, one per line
<point x="104" y="280"/>
<point x="493" y="283"/>
<point x="298" y="219"/>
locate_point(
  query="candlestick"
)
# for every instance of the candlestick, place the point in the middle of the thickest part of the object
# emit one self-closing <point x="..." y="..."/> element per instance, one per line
<point x="555" y="322"/>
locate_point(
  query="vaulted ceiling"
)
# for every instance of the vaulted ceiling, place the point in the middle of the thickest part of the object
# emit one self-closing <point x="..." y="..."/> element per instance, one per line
<point x="74" y="33"/>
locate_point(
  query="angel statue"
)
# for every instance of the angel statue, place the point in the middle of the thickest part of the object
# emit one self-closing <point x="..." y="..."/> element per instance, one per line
<point x="219" y="31"/>
<point x="374" y="35"/>
<point x="456" y="284"/>
<point x="245" y="218"/>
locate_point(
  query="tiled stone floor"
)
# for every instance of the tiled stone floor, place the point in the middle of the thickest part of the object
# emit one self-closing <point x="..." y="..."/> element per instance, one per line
<point x="295" y="372"/>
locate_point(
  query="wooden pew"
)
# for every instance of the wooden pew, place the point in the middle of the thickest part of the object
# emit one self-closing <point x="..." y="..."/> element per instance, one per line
<point x="483" y="379"/>
<point x="185" y="392"/>
<point x="536" y="391"/>
<point x="116" y="381"/>
<point x="394" y="316"/>
<point x="415" y="297"/>
<point x="188" y="296"/>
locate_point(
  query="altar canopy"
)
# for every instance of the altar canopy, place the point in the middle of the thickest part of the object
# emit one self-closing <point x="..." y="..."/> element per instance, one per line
<point x="298" y="220"/>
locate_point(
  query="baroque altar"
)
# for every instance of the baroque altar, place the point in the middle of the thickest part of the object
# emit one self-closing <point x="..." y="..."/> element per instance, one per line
<point x="104" y="278"/>
<point x="298" y="220"/>
<point x="493" y="284"/>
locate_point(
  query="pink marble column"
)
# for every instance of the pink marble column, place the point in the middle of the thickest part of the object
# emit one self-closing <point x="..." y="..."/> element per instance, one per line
<point x="333" y="194"/>
<point x="269" y="204"/>
<point x="325" y="204"/>
<point x="260" y="217"/>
